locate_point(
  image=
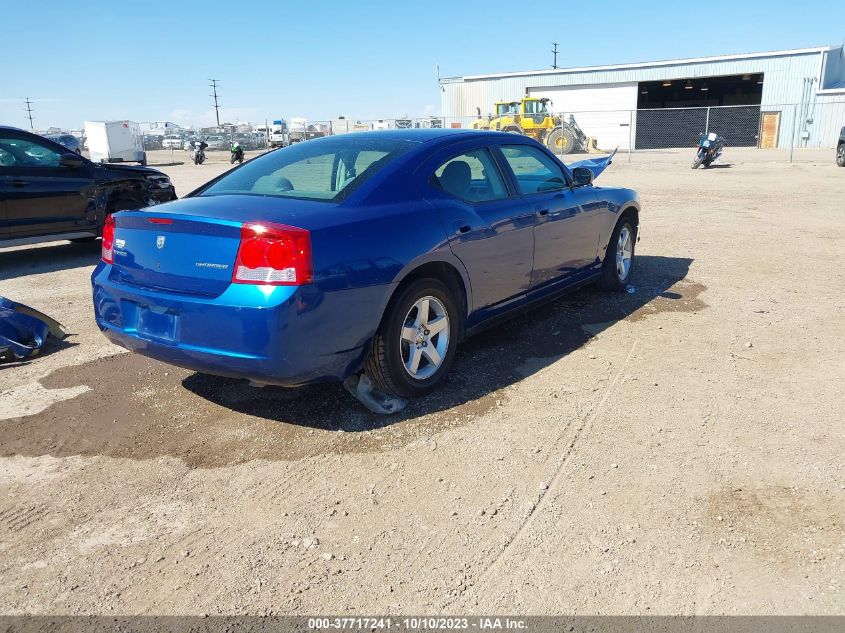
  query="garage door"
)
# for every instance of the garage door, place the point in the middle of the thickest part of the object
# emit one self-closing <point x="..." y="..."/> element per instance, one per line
<point x="602" y="111"/>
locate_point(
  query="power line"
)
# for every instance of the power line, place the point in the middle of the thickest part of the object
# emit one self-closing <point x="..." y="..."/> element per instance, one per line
<point x="29" y="113"/>
<point x="554" y="52"/>
<point x="213" y="85"/>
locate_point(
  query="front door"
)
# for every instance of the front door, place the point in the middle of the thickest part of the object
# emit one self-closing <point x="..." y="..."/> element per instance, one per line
<point x="769" y="127"/>
<point x="42" y="197"/>
<point x="568" y="218"/>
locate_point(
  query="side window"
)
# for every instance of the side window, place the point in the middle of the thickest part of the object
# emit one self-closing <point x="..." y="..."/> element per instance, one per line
<point x="367" y="158"/>
<point x="535" y="172"/>
<point x="473" y="176"/>
<point x="17" y="152"/>
<point x="7" y="159"/>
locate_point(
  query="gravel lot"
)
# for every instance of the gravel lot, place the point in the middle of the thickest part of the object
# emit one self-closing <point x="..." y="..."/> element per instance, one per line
<point x="678" y="450"/>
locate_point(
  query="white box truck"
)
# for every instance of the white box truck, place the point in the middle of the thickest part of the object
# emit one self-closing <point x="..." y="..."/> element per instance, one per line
<point x="279" y="136"/>
<point x="115" y="142"/>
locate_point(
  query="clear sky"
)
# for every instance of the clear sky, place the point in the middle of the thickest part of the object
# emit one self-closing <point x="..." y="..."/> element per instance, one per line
<point x="150" y="60"/>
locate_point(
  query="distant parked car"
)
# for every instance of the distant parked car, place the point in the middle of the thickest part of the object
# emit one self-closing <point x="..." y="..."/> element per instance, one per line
<point x="840" y="148"/>
<point x="49" y="193"/>
<point x="66" y="140"/>
<point x="171" y="141"/>
<point x="377" y="251"/>
<point x="217" y="142"/>
<point x="152" y="141"/>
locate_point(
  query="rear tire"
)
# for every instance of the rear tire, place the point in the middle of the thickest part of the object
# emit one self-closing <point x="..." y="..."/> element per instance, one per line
<point x="840" y="155"/>
<point x="615" y="272"/>
<point x="403" y="359"/>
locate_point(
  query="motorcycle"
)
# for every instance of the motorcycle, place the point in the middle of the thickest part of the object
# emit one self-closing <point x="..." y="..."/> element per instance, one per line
<point x="237" y="153"/>
<point x="199" y="152"/>
<point x="710" y="147"/>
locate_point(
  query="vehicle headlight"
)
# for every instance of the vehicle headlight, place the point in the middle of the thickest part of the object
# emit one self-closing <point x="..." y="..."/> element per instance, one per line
<point x="159" y="181"/>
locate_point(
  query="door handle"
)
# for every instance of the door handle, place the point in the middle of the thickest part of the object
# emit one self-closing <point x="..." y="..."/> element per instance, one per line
<point x="18" y="183"/>
<point x="466" y="228"/>
<point x="542" y="212"/>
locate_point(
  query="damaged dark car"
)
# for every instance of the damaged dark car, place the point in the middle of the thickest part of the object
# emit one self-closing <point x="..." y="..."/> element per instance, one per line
<point x="49" y="193"/>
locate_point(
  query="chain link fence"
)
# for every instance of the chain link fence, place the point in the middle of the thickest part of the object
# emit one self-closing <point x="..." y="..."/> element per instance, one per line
<point x="786" y="128"/>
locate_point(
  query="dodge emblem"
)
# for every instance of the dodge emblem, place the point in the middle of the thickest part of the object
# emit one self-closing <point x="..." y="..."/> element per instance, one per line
<point x="160" y="241"/>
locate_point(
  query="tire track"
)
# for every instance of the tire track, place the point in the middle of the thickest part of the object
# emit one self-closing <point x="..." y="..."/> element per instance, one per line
<point x="553" y="484"/>
<point x="19" y="518"/>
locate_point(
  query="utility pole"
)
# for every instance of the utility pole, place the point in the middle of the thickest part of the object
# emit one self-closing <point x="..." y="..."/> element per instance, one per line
<point x="29" y="113"/>
<point x="216" y="105"/>
<point x="554" y="52"/>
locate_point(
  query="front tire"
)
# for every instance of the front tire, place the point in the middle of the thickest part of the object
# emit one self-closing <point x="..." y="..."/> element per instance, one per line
<point x="560" y="141"/>
<point x="619" y="258"/>
<point x="840" y="155"/>
<point x="415" y="344"/>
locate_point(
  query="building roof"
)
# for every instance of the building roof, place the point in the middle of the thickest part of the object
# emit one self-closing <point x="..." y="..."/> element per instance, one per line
<point x="668" y="62"/>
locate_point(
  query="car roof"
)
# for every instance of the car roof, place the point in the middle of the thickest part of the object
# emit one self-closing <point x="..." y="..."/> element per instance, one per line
<point x="420" y="135"/>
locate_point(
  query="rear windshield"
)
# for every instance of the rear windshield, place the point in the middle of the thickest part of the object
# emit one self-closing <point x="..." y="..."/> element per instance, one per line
<point x="327" y="169"/>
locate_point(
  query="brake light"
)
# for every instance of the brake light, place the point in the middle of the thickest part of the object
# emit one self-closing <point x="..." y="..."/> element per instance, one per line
<point x="273" y="254"/>
<point x="108" y="240"/>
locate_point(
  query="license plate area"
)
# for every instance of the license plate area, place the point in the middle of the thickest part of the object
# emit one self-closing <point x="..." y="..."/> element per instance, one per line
<point x="158" y="324"/>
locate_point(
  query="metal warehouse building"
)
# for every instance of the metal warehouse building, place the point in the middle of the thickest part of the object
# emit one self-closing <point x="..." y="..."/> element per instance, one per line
<point x="775" y="99"/>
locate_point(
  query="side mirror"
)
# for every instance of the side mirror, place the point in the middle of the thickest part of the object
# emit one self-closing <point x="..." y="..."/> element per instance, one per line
<point x="72" y="161"/>
<point x="582" y="176"/>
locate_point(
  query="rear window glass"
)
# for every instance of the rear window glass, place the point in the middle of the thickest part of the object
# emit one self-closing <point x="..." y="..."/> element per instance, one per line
<point x="326" y="169"/>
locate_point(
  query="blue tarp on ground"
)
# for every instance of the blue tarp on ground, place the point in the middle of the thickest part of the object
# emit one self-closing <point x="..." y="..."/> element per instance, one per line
<point x="24" y="330"/>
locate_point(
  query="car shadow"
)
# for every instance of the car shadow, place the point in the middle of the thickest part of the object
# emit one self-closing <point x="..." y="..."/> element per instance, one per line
<point x="47" y="258"/>
<point x="485" y="363"/>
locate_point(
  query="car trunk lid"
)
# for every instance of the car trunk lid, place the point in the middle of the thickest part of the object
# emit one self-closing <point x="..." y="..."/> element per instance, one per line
<point x="185" y="254"/>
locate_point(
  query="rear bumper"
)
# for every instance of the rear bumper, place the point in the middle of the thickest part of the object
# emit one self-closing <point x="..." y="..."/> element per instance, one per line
<point x="274" y="334"/>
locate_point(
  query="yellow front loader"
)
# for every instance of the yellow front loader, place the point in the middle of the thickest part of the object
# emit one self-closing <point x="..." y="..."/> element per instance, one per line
<point x="532" y="117"/>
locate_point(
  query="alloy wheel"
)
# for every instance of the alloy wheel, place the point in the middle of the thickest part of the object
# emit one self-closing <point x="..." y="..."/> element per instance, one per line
<point x="624" y="253"/>
<point x="424" y="338"/>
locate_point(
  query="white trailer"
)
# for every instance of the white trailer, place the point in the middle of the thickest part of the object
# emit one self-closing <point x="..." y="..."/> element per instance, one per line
<point x="115" y="142"/>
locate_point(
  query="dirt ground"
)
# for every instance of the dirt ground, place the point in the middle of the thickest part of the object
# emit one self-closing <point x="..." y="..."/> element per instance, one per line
<point x="678" y="450"/>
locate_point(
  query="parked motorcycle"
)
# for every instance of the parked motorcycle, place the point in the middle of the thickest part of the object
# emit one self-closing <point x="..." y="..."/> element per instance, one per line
<point x="199" y="152"/>
<point x="710" y="147"/>
<point x="237" y="153"/>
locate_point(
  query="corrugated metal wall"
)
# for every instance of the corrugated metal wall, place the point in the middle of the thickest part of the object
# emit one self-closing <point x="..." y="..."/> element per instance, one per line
<point x="783" y="84"/>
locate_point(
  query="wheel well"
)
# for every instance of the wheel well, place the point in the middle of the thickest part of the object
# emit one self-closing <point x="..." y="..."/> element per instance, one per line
<point x="631" y="212"/>
<point x="444" y="272"/>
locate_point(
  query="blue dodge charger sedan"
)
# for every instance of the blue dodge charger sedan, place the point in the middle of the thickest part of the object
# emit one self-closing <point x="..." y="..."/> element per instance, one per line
<point x="374" y="252"/>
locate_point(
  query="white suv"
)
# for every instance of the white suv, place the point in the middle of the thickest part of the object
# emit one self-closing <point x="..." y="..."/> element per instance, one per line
<point x="172" y="142"/>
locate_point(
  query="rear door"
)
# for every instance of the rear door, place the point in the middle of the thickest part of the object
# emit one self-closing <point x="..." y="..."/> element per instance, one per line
<point x="489" y="230"/>
<point x="4" y="216"/>
<point x="568" y="218"/>
<point x="5" y="159"/>
<point x="42" y="197"/>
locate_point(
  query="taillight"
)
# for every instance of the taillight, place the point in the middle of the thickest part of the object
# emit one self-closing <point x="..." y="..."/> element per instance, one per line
<point x="273" y="254"/>
<point x="108" y="240"/>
